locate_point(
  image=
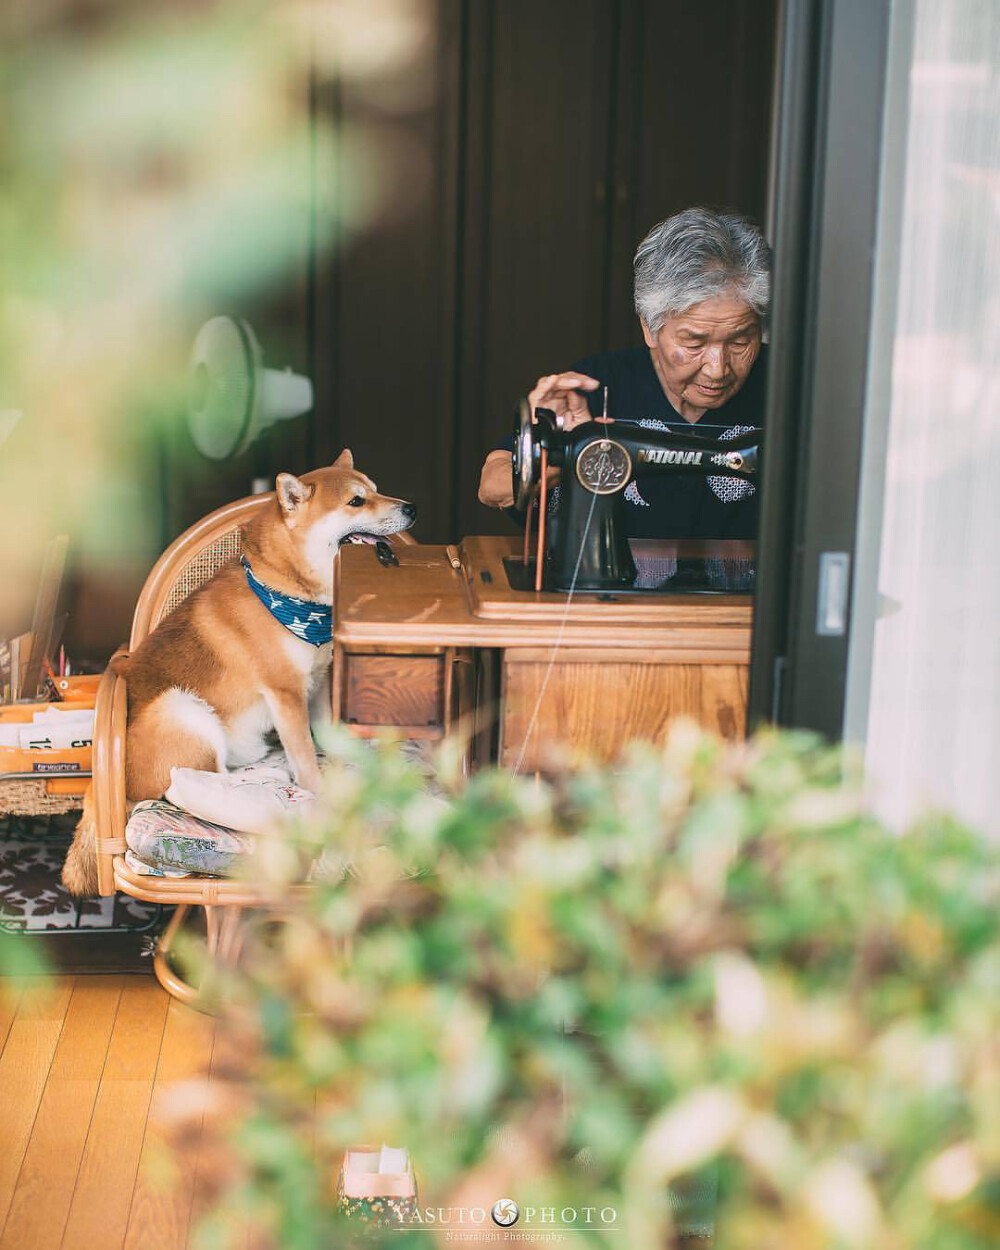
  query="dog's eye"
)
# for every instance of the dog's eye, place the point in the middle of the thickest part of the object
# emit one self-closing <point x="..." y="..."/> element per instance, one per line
<point x="357" y="502"/>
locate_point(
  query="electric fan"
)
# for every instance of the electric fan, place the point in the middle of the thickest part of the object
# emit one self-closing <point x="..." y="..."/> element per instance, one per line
<point x="232" y="398"/>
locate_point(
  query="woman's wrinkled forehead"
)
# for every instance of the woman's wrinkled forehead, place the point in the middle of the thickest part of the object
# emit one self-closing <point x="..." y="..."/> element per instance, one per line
<point x="719" y="317"/>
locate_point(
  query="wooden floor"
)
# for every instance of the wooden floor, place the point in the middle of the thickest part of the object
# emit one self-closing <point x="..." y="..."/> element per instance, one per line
<point x="82" y="1061"/>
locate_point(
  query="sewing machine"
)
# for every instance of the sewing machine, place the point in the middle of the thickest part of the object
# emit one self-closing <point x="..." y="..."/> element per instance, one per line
<point x="472" y="640"/>
<point x="587" y="547"/>
<point x="443" y="640"/>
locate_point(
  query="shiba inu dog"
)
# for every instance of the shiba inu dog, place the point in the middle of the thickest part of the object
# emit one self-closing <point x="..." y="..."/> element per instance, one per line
<point x="247" y="653"/>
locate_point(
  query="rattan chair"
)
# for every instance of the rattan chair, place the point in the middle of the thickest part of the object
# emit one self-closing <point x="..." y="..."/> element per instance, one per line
<point x="187" y="564"/>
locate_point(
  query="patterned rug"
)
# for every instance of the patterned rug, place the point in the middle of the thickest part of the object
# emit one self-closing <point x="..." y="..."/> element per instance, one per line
<point x="32" y="898"/>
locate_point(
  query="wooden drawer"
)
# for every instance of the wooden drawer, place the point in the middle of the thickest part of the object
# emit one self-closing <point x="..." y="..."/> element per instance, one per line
<point x="401" y="691"/>
<point x="596" y="705"/>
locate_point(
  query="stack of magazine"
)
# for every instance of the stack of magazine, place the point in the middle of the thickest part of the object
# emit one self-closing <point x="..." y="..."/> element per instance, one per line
<point x="53" y="739"/>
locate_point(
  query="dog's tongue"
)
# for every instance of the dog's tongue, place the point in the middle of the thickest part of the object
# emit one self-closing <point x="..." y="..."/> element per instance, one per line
<point x="361" y="538"/>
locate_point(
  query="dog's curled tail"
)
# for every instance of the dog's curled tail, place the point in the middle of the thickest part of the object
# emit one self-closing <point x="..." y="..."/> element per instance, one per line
<point x="79" y="874"/>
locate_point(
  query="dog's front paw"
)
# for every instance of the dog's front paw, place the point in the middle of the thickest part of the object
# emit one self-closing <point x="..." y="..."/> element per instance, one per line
<point x="308" y="778"/>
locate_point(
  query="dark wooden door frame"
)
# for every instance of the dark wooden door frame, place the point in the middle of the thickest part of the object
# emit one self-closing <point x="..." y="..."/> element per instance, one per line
<point x="832" y="72"/>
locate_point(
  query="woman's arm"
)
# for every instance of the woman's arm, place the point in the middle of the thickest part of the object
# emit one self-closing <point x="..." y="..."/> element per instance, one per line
<point x="496" y="485"/>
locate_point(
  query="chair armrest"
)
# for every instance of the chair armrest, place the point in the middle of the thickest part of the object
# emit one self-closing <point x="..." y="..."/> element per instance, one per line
<point x="108" y="786"/>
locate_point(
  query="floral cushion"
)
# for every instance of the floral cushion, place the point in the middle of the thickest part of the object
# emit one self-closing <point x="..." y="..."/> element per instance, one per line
<point x="145" y="870"/>
<point x="163" y="837"/>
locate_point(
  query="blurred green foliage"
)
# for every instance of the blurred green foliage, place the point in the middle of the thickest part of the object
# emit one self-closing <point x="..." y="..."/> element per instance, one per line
<point x="582" y="991"/>
<point x="156" y="163"/>
<point x="21" y="957"/>
<point x="161" y="164"/>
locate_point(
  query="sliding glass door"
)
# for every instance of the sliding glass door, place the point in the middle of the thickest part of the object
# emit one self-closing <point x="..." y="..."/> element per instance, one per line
<point x="923" y="692"/>
<point x="878" y="594"/>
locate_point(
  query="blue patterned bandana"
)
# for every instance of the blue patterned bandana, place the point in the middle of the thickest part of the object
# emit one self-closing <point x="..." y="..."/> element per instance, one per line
<point x="312" y="622"/>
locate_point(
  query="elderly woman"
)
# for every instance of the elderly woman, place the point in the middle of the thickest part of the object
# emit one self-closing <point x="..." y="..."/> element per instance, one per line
<point x="702" y="286"/>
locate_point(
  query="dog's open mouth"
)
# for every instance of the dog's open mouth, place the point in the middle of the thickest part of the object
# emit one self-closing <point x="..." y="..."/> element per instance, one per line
<point x="358" y="536"/>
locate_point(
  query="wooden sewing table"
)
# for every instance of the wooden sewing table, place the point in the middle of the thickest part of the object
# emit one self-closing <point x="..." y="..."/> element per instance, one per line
<point x="426" y="648"/>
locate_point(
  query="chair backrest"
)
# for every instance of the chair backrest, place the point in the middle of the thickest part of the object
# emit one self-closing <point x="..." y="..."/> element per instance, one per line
<point x="193" y="558"/>
<point x="190" y="561"/>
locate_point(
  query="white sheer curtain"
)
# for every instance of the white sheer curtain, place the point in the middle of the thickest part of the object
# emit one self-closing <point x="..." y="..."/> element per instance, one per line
<point x="924" y="688"/>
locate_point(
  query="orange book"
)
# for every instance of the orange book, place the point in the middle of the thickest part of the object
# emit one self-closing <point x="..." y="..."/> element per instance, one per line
<point x="80" y="687"/>
<point x="40" y="763"/>
<point x="22" y="713"/>
<point x="67" y="785"/>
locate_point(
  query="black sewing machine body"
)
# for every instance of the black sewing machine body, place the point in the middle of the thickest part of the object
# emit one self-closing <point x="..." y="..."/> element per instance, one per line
<point x="588" y="548"/>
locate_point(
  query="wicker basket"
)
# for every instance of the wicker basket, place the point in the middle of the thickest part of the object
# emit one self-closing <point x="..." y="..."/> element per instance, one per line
<point x="21" y="796"/>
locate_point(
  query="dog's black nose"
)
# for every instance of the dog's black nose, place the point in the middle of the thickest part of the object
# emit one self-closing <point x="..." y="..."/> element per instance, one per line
<point x="409" y="510"/>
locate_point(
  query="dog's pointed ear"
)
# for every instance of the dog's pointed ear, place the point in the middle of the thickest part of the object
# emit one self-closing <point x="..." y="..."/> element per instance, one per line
<point x="344" y="461"/>
<point x="292" y="492"/>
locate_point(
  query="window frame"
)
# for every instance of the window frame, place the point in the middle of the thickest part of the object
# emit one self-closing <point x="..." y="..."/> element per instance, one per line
<point x="827" y="169"/>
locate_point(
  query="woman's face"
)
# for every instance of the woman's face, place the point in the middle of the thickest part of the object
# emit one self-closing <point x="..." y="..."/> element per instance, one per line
<point x="703" y="356"/>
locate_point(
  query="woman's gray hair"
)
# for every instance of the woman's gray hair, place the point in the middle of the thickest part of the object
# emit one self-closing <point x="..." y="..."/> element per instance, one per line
<point x="697" y="255"/>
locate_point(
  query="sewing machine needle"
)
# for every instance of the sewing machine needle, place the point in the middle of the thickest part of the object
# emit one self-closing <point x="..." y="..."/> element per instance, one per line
<point x="605" y="415"/>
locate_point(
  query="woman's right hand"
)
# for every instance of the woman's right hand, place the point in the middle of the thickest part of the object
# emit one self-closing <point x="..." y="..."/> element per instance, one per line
<point x="560" y="392"/>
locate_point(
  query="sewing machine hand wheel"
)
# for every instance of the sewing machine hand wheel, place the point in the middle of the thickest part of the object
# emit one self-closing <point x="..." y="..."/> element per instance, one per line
<point x="529" y="437"/>
<point x="523" y="462"/>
